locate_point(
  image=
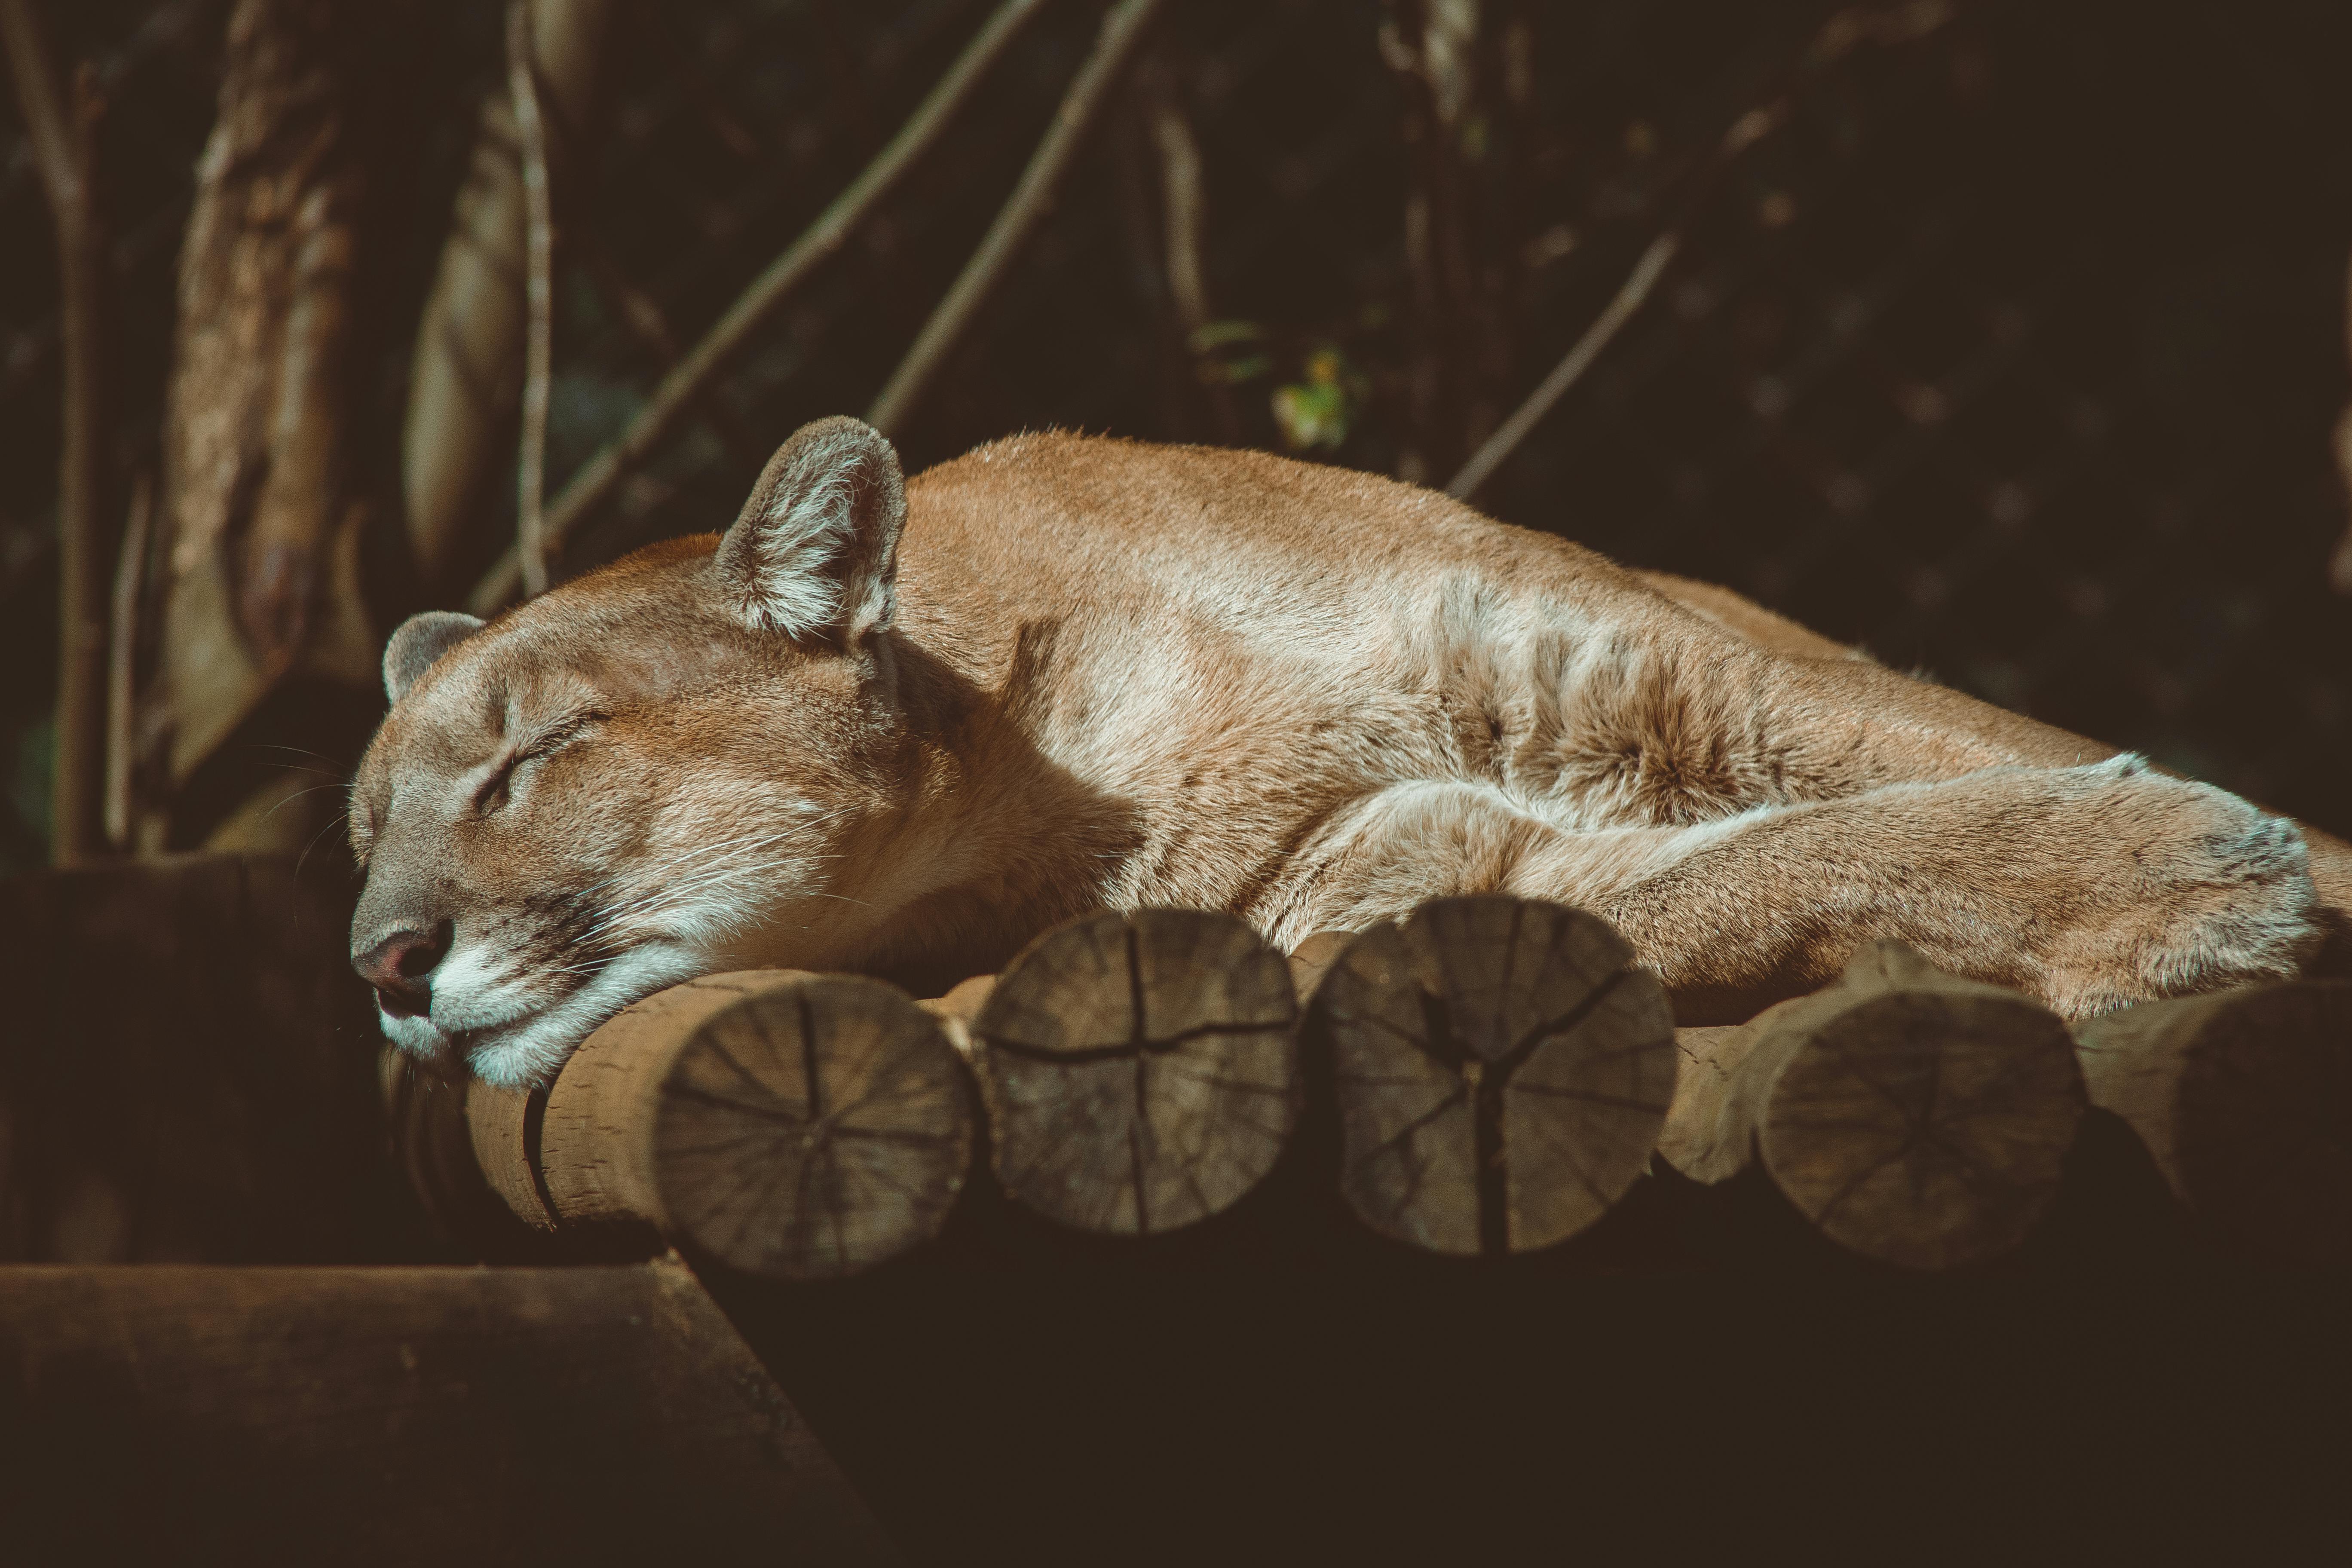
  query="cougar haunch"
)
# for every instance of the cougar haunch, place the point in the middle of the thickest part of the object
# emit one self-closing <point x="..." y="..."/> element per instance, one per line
<point x="902" y="727"/>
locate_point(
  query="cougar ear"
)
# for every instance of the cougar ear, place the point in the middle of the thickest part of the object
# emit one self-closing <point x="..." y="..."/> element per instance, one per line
<point x="815" y="551"/>
<point x="420" y="640"/>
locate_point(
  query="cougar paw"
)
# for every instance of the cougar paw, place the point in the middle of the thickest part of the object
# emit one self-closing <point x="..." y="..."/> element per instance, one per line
<point x="2192" y="890"/>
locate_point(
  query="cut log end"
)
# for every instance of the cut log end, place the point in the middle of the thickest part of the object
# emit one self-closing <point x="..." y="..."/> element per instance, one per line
<point x="1926" y="1126"/>
<point x="813" y="1131"/>
<point x="1140" y="1069"/>
<point x="1502" y="1068"/>
<point x="2244" y="1100"/>
<point x="790" y="1125"/>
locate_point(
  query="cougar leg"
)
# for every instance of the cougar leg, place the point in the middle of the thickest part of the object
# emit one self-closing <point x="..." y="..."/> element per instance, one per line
<point x="1828" y="724"/>
<point x="2089" y="887"/>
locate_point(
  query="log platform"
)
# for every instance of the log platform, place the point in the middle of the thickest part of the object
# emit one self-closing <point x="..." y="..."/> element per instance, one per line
<point x="986" y="1387"/>
<point x="1497" y="1077"/>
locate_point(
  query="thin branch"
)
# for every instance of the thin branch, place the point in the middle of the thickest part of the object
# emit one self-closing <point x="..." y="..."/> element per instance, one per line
<point x="121" y="663"/>
<point x="539" y="343"/>
<point x="1122" y="31"/>
<point x="684" y="387"/>
<point x="1620" y="310"/>
<point x="1186" y="207"/>
<point x="641" y="316"/>
<point x="1175" y="153"/>
<point x="1903" y="22"/>
<point x="62" y="135"/>
<point x="2339" y="565"/>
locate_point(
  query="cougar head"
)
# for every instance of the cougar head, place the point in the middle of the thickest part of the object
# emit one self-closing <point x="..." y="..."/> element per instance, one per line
<point x="652" y="773"/>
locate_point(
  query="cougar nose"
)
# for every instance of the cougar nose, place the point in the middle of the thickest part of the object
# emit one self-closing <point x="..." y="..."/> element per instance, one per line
<point x="400" y="967"/>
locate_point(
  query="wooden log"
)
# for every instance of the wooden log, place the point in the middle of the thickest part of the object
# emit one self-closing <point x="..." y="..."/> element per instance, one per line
<point x="1311" y="960"/>
<point x="401" y="1415"/>
<point x="1909" y="1115"/>
<point x="1501" y="1069"/>
<point x="1140" y="1071"/>
<point x="790" y="1125"/>
<point x="2243" y="1099"/>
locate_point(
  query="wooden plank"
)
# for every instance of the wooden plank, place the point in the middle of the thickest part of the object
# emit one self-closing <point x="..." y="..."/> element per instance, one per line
<point x="360" y="1416"/>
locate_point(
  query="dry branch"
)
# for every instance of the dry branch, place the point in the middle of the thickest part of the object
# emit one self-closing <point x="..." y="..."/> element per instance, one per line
<point x="1122" y="31"/>
<point x="60" y="125"/>
<point x="1167" y="154"/>
<point x="1502" y="1067"/>
<point x="1898" y="23"/>
<point x="685" y="385"/>
<point x="539" y="288"/>
<point x="2339" y="565"/>
<point x="1910" y="1115"/>
<point x="121" y="663"/>
<point x="1460" y="249"/>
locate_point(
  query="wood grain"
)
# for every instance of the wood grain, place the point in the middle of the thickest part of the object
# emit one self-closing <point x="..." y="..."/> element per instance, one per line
<point x="1910" y="1115"/>
<point x="1502" y="1070"/>
<point x="1140" y="1069"/>
<point x="791" y="1125"/>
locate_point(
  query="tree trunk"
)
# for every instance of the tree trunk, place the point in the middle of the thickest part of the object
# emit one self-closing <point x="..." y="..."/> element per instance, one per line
<point x="260" y="504"/>
<point x="407" y="1414"/>
<point x="2339" y="565"/>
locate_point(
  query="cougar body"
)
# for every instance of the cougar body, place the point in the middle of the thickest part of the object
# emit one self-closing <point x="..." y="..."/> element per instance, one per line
<point x="904" y="726"/>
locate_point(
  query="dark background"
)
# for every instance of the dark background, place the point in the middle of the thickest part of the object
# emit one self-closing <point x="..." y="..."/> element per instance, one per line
<point x="2013" y="358"/>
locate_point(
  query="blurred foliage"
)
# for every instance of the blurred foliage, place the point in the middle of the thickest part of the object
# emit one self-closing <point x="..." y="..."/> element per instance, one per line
<point x="1319" y="410"/>
<point x="2012" y="357"/>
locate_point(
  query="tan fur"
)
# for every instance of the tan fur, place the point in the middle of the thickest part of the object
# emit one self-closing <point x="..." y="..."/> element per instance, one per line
<point x="1125" y="675"/>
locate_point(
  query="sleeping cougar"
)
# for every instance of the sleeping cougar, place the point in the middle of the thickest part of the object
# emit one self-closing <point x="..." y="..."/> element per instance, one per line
<point x="903" y="727"/>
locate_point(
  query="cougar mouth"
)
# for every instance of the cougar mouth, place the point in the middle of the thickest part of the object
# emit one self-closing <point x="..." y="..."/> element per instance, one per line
<point x="525" y="1047"/>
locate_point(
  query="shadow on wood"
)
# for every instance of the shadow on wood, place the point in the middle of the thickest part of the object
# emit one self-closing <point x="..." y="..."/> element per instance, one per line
<point x="1912" y="1116"/>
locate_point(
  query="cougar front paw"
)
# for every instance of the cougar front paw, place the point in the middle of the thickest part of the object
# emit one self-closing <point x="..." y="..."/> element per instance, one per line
<point x="2189" y="888"/>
